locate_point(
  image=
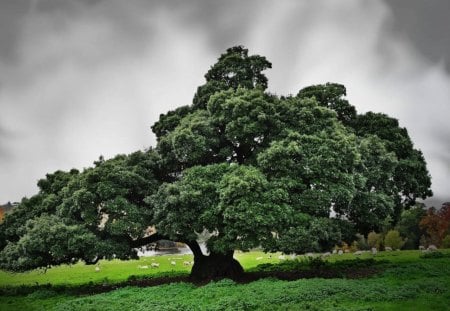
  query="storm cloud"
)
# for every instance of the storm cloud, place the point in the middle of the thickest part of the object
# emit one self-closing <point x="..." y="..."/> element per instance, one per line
<point x="84" y="78"/>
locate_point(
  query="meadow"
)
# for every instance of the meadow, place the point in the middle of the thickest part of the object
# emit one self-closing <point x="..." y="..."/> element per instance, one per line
<point x="406" y="280"/>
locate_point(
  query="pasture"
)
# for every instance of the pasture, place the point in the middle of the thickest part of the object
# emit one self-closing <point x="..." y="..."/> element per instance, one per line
<point x="405" y="281"/>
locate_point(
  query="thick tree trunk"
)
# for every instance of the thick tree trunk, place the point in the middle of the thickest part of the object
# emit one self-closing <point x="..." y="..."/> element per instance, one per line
<point x="216" y="266"/>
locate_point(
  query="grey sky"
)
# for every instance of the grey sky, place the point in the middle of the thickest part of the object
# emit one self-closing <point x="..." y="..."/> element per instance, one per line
<point x="84" y="78"/>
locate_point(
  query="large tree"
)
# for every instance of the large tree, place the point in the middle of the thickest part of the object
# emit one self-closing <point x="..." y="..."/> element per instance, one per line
<point x="251" y="169"/>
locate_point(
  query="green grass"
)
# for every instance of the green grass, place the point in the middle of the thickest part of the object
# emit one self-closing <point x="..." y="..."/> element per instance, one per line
<point x="408" y="282"/>
<point x="117" y="270"/>
<point x="114" y="271"/>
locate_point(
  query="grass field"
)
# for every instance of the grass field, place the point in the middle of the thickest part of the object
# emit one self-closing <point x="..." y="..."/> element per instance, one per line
<point x="407" y="282"/>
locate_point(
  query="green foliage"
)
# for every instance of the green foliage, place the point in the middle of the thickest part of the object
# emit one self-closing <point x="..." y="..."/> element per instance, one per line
<point x="374" y="240"/>
<point x="317" y="263"/>
<point x="446" y="241"/>
<point x="408" y="226"/>
<point x="433" y="255"/>
<point x="411" y="178"/>
<point x="331" y="96"/>
<point x="87" y="215"/>
<point x="393" y="239"/>
<point x="361" y="242"/>
<point x="233" y="69"/>
<point x="246" y="167"/>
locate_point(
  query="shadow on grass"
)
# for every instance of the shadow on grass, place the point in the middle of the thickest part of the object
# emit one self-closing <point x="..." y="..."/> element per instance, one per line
<point x="288" y="270"/>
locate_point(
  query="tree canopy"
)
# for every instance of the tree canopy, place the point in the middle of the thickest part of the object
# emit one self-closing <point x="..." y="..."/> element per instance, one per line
<point x="293" y="174"/>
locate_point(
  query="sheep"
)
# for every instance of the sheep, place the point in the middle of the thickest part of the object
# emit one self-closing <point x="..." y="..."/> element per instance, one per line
<point x="173" y="263"/>
<point x="421" y="248"/>
<point x="309" y="255"/>
<point x="340" y="252"/>
<point x="325" y="255"/>
<point x="281" y="257"/>
<point x="142" y="267"/>
<point x="187" y="263"/>
<point x="334" y="251"/>
<point x="97" y="269"/>
<point x="357" y="253"/>
<point x="388" y="249"/>
<point x="432" y="248"/>
<point x="154" y="265"/>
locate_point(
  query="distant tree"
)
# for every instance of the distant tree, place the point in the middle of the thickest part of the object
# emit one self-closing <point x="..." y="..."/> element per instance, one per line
<point x="249" y="168"/>
<point x="408" y="226"/>
<point x="436" y="223"/>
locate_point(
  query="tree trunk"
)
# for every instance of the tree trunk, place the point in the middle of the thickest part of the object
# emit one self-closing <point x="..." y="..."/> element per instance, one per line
<point x="216" y="266"/>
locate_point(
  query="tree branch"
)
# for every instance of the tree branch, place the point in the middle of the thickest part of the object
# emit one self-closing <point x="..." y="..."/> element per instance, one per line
<point x="147" y="240"/>
<point x="92" y="262"/>
<point x="195" y="248"/>
<point x="193" y="245"/>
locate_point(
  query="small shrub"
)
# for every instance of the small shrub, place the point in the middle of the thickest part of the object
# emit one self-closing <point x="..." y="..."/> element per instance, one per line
<point x="432" y="255"/>
<point x="354" y="247"/>
<point x="446" y="242"/>
<point x="393" y="240"/>
<point x="374" y="240"/>
<point x="361" y="242"/>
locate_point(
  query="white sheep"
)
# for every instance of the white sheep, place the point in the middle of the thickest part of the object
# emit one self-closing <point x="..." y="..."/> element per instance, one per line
<point x="357" y="253"/>
<point x="154" y="265"/>
<point x="388" y="249"/>
<point x="173" y="263"/>
<point x="142" y="267"/>
<point x="432" y="248"/>
<point x="325" y="255"/>
<point x="97" y="269"/>
<point x="340" y="252"/>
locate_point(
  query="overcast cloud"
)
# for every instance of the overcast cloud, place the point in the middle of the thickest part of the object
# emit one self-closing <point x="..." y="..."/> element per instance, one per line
<point x="84" y="78"/>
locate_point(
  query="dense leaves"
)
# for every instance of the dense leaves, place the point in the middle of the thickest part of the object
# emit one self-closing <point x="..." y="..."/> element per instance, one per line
<point x="436" y="223"/>
<point x="408" y="226"/>
<point x="89" y="215"/>
<point x="233" y="69"/>
<point x="242" y="166"/>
